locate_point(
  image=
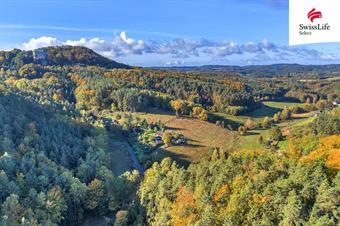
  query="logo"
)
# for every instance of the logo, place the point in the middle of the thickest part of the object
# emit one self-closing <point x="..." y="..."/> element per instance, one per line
<point x="312" y="15"/>
<point x="315" y="21"/>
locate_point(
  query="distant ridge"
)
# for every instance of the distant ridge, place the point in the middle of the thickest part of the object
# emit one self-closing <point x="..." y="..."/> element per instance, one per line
<point x="264" y="70"/>
<point x="60" y="55"/>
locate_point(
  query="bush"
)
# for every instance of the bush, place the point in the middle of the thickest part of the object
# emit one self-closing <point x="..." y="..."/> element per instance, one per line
<point x="167" y="138"/>
<point x="323" y="104"/>
<point x="277" y="117"/>
<point x="297" y="110"/>
<point x="200" y="113"/>
<point x="266" y="122"/>
<point x="275" y="133"/>
<point x="121" y="218"/>
<point x="286" y="114"/>
<point x="250" y="124"/>
<point x="234" y="110"/>
<point x="242" y="130"/>
<point x="308" y="107"/>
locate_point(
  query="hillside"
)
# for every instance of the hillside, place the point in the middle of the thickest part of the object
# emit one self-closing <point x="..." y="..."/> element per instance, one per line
<point x="202" y="137"/>
<point x="52" y="164"/>
<point x="267" y="70"/>
<point x="61" y="55"/>
<point x="85" y="143"/>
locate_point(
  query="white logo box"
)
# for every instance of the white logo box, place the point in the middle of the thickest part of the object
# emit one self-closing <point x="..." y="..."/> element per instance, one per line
<point x="325" y="29"/>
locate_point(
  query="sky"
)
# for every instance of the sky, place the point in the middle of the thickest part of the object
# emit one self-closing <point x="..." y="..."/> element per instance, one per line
<point x="162" y="32"/>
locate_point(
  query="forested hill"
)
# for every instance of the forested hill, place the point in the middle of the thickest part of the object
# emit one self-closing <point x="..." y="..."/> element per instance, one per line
<point x="267" y="70"/>
<point x="52" y="56"/>
<point x="70" y="120"/>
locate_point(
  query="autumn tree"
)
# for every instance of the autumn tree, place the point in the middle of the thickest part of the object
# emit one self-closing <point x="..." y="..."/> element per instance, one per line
<point x="167" y="138"/>
<point x="250" y="124"/>
<point x="55" y="204"/>
<point x="183" y="209"/>
<point x="94" y="194"/>
<point x="286" y="114"/>
<point x="277" y="117"/>
<point x="275" y="133"/>
<point x="121" y="218"/>
<point x="200" y="113"/>
<point x="178" y="106"/>
<point x="12" y="212"/>
<point x="266" y="122"/>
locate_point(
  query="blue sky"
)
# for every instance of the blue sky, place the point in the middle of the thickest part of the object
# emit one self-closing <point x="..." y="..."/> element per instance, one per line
<point x="163" y="32"/>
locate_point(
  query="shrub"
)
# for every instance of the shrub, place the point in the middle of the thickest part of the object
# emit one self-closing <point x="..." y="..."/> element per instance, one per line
<point x="250" y="124"/>
<point x="275" y="133"/>
<point x="266" y="122"/>
<point x="242" y="130"/>
<point x="167" y="138"/>
<point x="286" y="114"/>
<point x="234" y="110"/>
<point x="200" y="113"/>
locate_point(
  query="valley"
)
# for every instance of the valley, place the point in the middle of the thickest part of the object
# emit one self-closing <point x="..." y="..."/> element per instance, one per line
<point x="86" y="140"/>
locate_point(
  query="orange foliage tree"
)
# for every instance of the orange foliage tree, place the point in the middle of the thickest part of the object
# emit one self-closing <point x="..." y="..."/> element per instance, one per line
<point x="329" y="150"/>
<point x="184" y="208"/>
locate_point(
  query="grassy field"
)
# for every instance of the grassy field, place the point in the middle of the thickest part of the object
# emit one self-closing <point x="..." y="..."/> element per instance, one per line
<point x="121" y="161"/>
<point x="280" y="105"/>
<point x="201" y="136"/>
<point x="251" y="140"/>
<point x="269" y="108"/>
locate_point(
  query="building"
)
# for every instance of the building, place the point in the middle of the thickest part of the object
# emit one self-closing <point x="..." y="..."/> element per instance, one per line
<point x="40" y="55"/>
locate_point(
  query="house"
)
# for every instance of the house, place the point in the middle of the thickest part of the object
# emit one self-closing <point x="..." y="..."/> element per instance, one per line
<point x="159" y="133"/>
<point x="107" y="121"/>
<point x="158" y="139"/>
<point x="40" y="54"/>
<point x="181" y="141"/>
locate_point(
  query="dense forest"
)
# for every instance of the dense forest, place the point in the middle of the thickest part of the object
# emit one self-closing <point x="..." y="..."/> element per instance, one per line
<point x="297" y="187"/>
<point x="269" y="70"/>
<point x="65" y="55"/>
<point x="65" y="110"/>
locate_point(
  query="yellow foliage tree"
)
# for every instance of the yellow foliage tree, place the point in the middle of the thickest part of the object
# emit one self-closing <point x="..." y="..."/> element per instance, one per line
<point x="167" y="137"/>
<point x="177" y="105"/>
<point x="200" y="113"/>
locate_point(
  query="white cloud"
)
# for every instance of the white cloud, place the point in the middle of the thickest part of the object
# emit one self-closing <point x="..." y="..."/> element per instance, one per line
<point x="178" y="49"/>
<point x="43" y="41"/>
<point x="175" y="63"/>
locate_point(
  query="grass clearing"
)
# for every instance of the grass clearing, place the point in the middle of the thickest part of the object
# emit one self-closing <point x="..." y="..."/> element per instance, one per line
<point x="280" y="105"/>
<point x="251" y="140"/>
<point x="269" y="108"/>
<point x="201" y="136"/>
<point x="121" y="161"/>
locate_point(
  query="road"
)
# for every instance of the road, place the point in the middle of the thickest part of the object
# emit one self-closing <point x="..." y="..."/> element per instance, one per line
<point x="114" y="143"/>
<point x="133" y="156"/>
